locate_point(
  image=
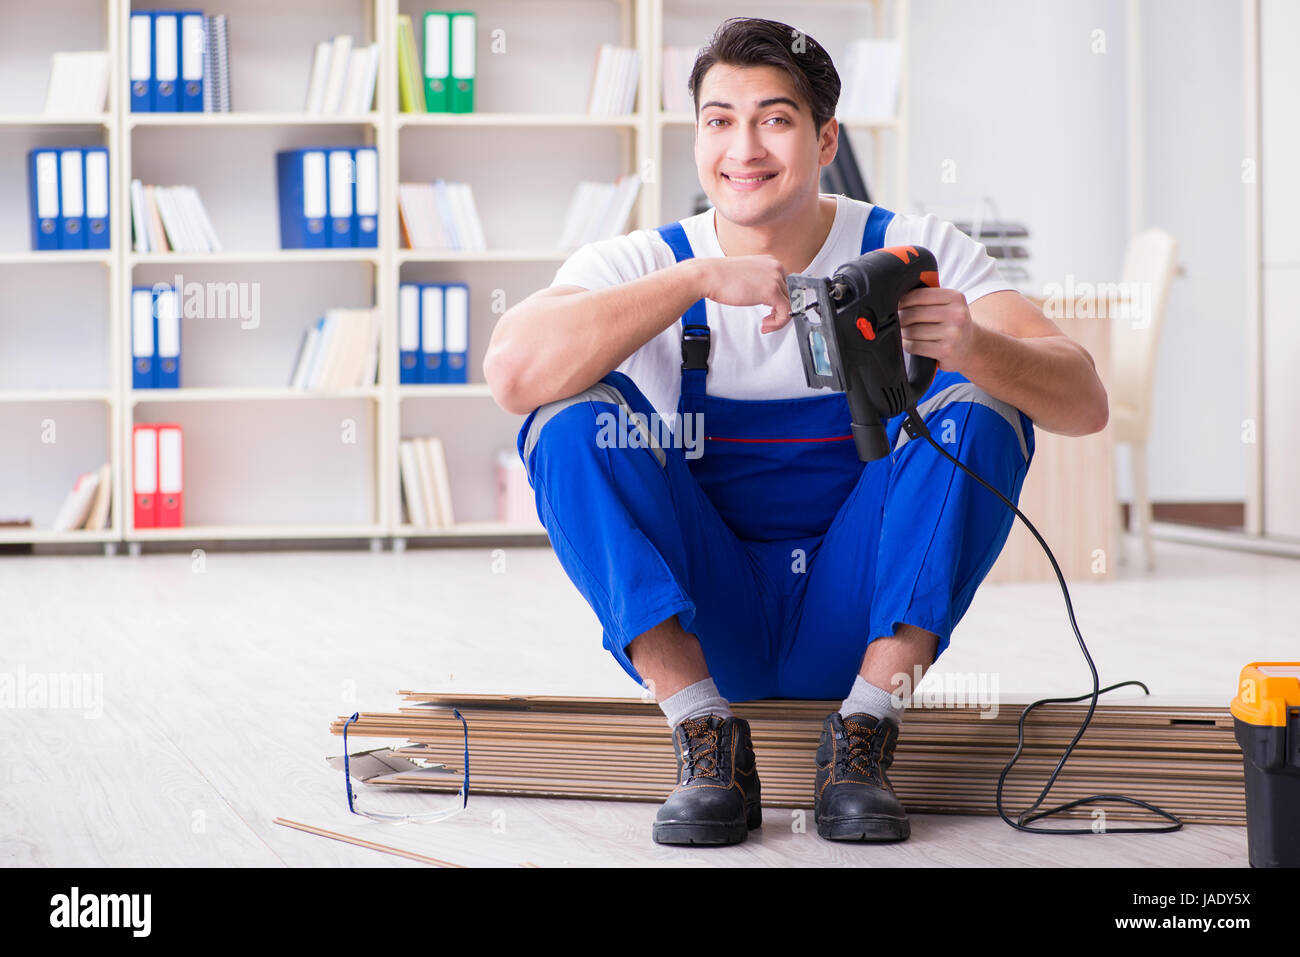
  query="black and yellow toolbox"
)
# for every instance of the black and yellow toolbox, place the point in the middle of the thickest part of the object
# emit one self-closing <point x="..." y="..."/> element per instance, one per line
<point x="1266" y="720"/>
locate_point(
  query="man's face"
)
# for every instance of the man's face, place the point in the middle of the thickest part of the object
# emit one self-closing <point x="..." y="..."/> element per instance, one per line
<point x="751" y="124"/>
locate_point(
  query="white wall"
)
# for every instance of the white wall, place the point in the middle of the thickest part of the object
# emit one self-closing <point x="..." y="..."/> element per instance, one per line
<point x="1012" y="92"/>
<point x="1194" y="143"/>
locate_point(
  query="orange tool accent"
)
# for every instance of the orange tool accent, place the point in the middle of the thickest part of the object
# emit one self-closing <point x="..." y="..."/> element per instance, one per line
<point x="902" y="252"/>
<point x="930" y="278"/>
<point x="864" y="327"/>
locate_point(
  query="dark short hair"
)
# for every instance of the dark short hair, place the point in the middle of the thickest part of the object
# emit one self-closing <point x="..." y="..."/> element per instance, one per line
<point x="749" y="41"/>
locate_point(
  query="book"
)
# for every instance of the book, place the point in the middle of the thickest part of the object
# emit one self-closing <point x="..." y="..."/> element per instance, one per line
<point x="426" y="487"/>
<point x="76" y="506"/>
<point x="599" y="210"/>
<point x="339" y="351"/>
<point x="359" y="89"/>
<point x="139" y="233"/>
<point x="320" y="68"/>
<point x="410" y="78"/>
<point x="428" y="492"/>
<point x="78" y="84"/>
<point x="614" y="81"/>
<point x="340" y="59"/>
<point x="412" y="490"/>
<point x="441" y="480"/>
<point x="439" y="215"/>
<point x="216" y="66"/>
<point x="171" y="219"/>
<point x="677" y="65"/>
<point x="97" y="519"/>
<point x="153" y="222"/>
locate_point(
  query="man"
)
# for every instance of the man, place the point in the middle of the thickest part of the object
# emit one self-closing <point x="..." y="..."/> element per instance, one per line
<point x="769" y="561"/>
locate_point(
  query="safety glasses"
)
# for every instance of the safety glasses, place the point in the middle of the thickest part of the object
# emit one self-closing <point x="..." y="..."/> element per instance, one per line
<point x="427" y="817"/>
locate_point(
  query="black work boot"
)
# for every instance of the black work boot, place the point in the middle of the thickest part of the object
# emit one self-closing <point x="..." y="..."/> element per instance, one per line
<point x="716" y="800"/>
<point x="854" y="800"/>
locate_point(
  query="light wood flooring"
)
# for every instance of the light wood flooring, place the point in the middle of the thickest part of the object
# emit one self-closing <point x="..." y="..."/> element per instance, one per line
<point x="219" y="686"/>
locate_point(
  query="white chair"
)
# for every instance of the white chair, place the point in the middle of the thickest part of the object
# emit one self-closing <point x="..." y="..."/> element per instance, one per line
<point x="1149" y="267"/>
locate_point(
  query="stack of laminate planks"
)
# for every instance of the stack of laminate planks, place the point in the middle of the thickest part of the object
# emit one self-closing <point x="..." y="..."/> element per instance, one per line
<point x="1183" y="759"/>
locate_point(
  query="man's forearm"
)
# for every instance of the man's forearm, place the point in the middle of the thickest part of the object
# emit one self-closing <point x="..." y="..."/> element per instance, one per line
<point x="554" y="346"/>
<point x="1049" y="378"/>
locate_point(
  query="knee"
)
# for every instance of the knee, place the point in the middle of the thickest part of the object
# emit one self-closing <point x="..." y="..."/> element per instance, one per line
<point x="1002" y="413"/>
<point x="1005" y="419"/>
<point x="608" y="416"/>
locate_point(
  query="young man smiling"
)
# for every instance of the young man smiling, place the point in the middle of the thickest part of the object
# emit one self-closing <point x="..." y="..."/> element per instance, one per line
<point x="776" y="564"/>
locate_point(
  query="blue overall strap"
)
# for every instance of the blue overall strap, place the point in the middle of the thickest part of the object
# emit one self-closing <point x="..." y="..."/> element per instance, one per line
<point x="695" y="321"/>
<point x="873" y="236"/>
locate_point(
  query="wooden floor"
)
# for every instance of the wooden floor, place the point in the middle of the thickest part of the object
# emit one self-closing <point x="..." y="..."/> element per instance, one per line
<point x="219" y="684"/>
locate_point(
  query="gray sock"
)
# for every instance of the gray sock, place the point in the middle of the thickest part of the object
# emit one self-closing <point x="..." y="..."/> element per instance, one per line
<point x="866" y="698"/>
<point x="695" y="701"/>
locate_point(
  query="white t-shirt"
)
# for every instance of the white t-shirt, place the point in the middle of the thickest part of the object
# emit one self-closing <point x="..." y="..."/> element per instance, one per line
<point x="745" y="363"/>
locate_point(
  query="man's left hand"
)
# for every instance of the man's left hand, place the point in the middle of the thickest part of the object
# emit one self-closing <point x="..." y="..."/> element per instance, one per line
<point x="937" y="323"/>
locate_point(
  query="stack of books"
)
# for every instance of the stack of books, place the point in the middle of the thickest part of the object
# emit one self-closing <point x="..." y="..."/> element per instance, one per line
<point x="179" y="62"/>
<point x="614" y="83"/>
<point x="439" y="215"/>
<point x="68" y="194"/>
<point x="599" y="210"/>
<point x="445" y="84"/>
<point x="170" y="219"/>
<point x="342" y="77"/>
<point x="425" y="485"/>
<point x="87" y="505"/>
<point x="339" y="351"/>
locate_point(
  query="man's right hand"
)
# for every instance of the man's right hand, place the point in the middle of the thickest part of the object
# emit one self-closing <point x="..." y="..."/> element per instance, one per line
<point x="749" y="281"/>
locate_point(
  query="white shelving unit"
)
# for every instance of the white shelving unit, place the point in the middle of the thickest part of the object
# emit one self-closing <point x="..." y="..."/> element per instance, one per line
<point x="57" y="411"/>
<point x="262" y="460"/>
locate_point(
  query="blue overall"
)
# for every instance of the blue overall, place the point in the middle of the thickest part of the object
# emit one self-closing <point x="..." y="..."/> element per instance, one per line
<point x="777" y="548"/>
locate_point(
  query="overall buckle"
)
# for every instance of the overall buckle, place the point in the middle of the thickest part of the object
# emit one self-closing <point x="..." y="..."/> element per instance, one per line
<point x="695" y="350"/>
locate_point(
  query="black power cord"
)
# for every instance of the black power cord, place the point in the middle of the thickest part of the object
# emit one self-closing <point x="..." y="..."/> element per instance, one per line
<point x="916" y="428"/>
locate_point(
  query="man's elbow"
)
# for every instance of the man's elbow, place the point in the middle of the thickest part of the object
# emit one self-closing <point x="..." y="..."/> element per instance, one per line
<point x="1101" y="403"/>
<point x="503" y="383"/>
<point x="1101" y="412"/>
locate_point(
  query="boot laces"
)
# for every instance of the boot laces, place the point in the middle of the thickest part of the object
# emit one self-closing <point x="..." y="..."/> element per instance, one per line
<point x="864" y="744"/>
<point x="700" y="754"/>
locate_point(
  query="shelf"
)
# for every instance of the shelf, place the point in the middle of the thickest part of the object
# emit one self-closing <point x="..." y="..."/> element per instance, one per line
<point x="251" y="119"/>
<point x="44" y="535"/>
<point x="482" y="256"/>
<point x="235" y="172"/>
<point x="42" y="119"/>
<point x="231" y="532"/>
<point x="241" y="394"/>
<point x="403" y="120"/>
<point x="265" y="256"/>
<point x="432" y="391"/>
<point x="56" y="395"/>
<point x="469" y="530"/>
<point x="61" y="257"/>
